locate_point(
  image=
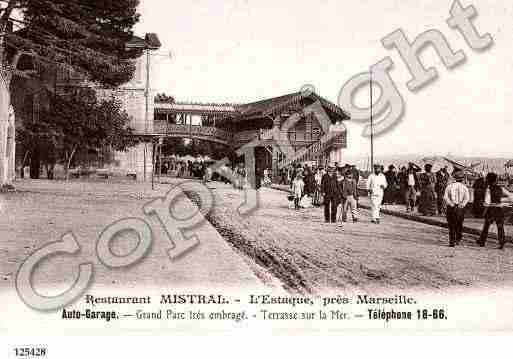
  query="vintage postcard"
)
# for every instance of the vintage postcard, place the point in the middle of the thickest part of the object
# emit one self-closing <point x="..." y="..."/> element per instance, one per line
<point x="254" y="166"/>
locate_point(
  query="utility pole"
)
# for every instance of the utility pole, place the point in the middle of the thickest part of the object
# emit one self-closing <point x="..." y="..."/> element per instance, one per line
<point x="147" y="110"/>
<point x="371" y="125"/>
<point x="153" y="165"/>
<point x="161" y="142"/>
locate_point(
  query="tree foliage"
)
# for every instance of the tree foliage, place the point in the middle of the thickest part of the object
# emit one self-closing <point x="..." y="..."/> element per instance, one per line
<point x="87" y="35"/>
<point x="162" y="97"/>
<point x="196" y="148"/>
<point x="75" y="123"/>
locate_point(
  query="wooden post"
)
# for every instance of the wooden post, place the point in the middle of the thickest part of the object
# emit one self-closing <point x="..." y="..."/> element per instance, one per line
<point x="152" y="164"/>
<point x="161" y="141"/>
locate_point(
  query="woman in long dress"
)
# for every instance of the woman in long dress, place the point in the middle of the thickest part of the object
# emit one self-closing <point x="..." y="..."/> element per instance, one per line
<point x="427" y="182"/>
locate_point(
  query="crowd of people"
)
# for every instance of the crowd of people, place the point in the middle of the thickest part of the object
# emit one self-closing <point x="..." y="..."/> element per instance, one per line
<point x="334" y="186"/>
<point x="432" y="193"/>
<point x="413" y="188"/>
<point x="429" y="193"/>
<point x="180" y="168"/>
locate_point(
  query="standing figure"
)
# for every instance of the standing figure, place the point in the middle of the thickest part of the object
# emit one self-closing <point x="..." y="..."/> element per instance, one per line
<point x="340" y="185"/>
<point x="309" y="180"/>
<point x="318" y="180"/>
<point x="331" y="194"/>
<point x="356" y="178"/>
<point x="392" y="186"/>
<point x="413" y="186"/>
<point x="298" y="187"/>
<point x="283" y="176"/>
<point x="189" y="168"/>
<point x="456" y="197"/>
<point x="427" y="181"/>
<point x="350" y="193"/>
<point x="496" y="197"/>
<point x="402" y="178"/>
<point x="242" y="176"/>
<point x="238" y="176"/>
<point x="267" y="180"/>
<point x="480" y="187"/>
<point x="442" y="180"/>
<point x="235" y="170"/>
<point x="376" y="185"/>
<point x="293" y="173"/>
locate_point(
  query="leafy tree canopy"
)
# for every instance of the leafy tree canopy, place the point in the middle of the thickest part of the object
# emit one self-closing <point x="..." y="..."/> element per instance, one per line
<point x="88" y="35"/>
<point x="73" y="123"/>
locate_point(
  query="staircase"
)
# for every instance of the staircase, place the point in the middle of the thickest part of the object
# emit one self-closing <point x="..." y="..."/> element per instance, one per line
<point x="315" y="150"/>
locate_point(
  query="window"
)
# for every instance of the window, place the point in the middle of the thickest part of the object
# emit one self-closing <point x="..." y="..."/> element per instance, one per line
<point x="316" y="133"/>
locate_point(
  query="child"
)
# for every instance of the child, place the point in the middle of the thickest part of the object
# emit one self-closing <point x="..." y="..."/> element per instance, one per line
<point x="298" y="187"/>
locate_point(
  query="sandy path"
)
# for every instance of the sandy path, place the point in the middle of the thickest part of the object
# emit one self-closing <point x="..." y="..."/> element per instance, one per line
<point x="311" y="256"/>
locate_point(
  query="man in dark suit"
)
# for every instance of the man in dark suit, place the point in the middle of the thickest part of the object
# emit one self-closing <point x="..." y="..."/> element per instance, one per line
<point x="331" y="191"/>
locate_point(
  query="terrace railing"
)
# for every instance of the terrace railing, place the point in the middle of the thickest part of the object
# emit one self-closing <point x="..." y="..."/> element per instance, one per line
<point x="333" y="139"/>
<point x="191" y="131"/>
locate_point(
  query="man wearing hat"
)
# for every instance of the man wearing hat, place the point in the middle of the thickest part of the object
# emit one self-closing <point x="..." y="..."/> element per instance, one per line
<point x="456" y="197"/>
<point x="496" y="198"/>
<point x="442" y="180"/>
<point x="392" y="185"/>
<point x="479" y="186"/>
<point x="349" y="190"/>
<point x="332" y="195"/>
<point x="376" y="184"/>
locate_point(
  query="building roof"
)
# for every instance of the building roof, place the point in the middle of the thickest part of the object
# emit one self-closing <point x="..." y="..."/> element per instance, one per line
<point x="277" y="105"/>
<point x="191" y="107"/>
<point x="268" y="107"/>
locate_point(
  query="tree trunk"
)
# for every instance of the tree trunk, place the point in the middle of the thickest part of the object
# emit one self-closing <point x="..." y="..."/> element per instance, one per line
<point x="35" y="165"/>
<point x="4" y="125"/>
<point x="68" y="162"/>
<point x="50" y="171"/>
<point x="22" y="172"/>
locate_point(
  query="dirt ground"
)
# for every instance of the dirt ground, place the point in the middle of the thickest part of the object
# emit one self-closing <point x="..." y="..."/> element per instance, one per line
<point x="43" y="211"/>
<point x="310" y="256"/>
<point x="296" y="247"/>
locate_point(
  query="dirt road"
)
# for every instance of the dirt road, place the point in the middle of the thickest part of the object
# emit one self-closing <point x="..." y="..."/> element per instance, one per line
<point x="296" y="247"/>
<point x="310" y="256"/>
<point x="43" y="211"/>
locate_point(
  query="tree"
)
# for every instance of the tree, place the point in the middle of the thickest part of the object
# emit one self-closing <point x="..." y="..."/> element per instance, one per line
<point x="39" y="141"/>
<point x="77" y="122"/>
<point x="216" y="151"/>
<point x="162" y="97"/>
<point x="87" y="36"/>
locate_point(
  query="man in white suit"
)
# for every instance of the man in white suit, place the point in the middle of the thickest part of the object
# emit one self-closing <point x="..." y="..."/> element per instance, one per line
<point x="376" y="184"/>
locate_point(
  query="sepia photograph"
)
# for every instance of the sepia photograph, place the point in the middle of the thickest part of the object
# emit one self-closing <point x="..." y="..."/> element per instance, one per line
<point x="260" y="167"/>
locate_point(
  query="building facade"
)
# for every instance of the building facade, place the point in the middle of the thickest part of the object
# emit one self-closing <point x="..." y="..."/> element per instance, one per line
<point x="298" y="127"/>
<point x="137" y="99"/>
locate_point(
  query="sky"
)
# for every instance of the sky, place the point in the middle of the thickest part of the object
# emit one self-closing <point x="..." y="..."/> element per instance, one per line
<point x="246" y="50"/>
